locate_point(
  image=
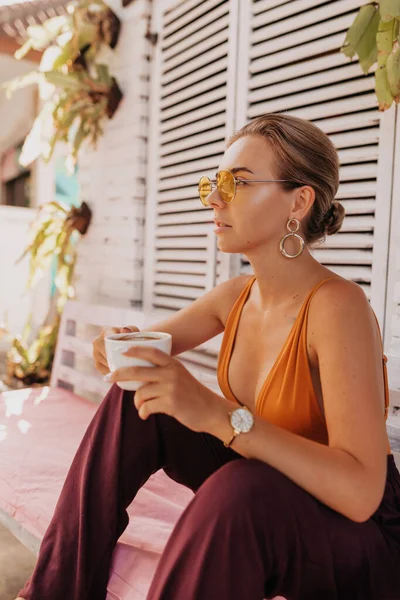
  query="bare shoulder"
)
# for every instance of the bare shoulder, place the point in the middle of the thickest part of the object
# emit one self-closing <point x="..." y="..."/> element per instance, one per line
<point x="229" y="292"/>
<point x="339" y="306"/>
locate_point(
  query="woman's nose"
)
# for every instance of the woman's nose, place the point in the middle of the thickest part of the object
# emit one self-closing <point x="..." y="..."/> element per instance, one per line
<point x="214" y="199"/>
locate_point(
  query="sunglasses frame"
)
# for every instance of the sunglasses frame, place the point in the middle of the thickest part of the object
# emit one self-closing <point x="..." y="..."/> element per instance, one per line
<point x="214" y="184"/>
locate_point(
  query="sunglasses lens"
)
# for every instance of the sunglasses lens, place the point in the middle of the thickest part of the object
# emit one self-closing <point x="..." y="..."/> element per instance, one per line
<point x="226" y="185"/>
<point x="205" y="190"/>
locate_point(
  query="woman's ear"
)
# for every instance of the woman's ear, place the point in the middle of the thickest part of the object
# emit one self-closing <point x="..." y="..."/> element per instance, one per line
<point x="303" y="202"/>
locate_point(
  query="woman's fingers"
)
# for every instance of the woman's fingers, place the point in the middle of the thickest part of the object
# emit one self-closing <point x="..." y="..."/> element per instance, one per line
<point x="102" y="368"/>
<point x="136" y="373"/>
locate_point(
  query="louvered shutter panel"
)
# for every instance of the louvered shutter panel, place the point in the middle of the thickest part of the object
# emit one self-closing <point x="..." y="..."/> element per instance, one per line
<point x="294" y="66"/>
<point x="191" y="117"/>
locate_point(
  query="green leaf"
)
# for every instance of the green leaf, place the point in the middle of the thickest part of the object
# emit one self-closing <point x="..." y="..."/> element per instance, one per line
<point x="384" y="41"/>
<point x="382" y="89"/>
<point x="389" y="9"/>
<point x="103" y="74"/>
<point x="79" y="138"/>
<point x="365" y="18"/>
<point x="68" y="82"/>
<point x="366" y="48"/>
<point x="393" y="73"/>
<point x="61" y="56"/>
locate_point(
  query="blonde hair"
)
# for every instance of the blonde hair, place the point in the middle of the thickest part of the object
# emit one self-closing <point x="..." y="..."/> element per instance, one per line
<point x="305" y="156"/>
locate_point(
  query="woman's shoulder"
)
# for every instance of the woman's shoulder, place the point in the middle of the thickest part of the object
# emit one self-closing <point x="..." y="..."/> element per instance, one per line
<point x="341" y="305"/>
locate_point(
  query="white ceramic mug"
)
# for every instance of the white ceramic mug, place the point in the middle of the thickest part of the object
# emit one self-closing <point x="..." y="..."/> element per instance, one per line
<point x="114" y="346"/>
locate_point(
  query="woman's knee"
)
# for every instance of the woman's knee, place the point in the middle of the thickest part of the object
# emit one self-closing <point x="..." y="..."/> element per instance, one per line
<point x="242" y="482"/>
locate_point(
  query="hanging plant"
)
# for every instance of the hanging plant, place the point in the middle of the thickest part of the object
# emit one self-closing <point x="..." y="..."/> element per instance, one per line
<point x="55" y="232"/>
<point x="75" y="85"/>
<point x="375" y="37"/>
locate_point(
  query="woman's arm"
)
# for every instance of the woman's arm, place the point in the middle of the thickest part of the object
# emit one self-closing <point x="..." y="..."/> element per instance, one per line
<point x="348" y="475"/>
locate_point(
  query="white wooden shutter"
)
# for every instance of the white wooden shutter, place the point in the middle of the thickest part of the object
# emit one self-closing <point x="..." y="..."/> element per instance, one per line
<point x="289" y="52"/>
<point x="192" y="115"/>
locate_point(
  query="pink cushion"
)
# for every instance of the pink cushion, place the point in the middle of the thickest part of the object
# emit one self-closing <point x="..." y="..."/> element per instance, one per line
<point x="40" y="430"/>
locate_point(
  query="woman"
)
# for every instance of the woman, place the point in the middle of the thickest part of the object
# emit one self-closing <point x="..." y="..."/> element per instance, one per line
<point x="296" y="493"/>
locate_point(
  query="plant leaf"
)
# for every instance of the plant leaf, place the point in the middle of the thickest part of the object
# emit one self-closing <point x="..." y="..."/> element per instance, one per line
<point x="384" y="41"/>
<point x="366" y="48"/>
<point x="361" y="23"/>
<point x="67" y="82"/>
<point x="389" y="9"/>
<point x="382" y="89"/>
<point x="393" y="73"/>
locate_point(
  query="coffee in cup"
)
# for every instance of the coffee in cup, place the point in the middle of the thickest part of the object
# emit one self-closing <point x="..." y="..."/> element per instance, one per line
<point x="117" y="343"/>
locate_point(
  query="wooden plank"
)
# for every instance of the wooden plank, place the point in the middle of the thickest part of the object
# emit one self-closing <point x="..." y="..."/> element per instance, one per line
<point x="295" y="85"/>
<point x="191" y="91"/>
<point x="264" y="44"/>
<point x="175" y="149"/>
<point x="183" y="218"/>
<point x="204" y="14"/>
<point x="180" y="279"/>
<point x="195" y="64"/>
<point x="216" y="149"/>
<point x="202" y="48"/>
<point x="207" y="71"/>
<point x="193" y="168"/>
<point x="275" y="23"/>
<point x="342" y="123"/>
<point x="337" y="62"/>
<point x="208" y="96"/>
<point x="183" y="230"/>
<point x="313" y="96"/>
<point x="303" y="52"/>
<point x="189" y="129"/>
<point x="349" y="240"/>
<point x="343" y="256"/>
<point x="329" y="109"/>
<point x="197" y="36"/>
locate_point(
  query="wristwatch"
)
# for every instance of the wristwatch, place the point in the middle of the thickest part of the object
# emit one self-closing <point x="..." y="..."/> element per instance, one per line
<point x="242" y="421"/>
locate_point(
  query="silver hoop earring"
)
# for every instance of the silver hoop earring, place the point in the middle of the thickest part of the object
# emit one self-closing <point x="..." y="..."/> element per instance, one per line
<point x="292" y="234"/>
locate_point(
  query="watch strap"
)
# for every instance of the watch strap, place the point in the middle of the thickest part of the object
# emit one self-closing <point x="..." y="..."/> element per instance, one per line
<point x="227" y="444"/>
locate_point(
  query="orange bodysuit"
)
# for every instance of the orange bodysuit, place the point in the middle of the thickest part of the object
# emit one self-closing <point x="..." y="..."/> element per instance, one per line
<point x="287" y="397"/>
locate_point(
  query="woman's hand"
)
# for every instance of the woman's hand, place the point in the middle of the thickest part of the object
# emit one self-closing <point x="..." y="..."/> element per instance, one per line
<point x="99" y="351"/>
<point x="171" y="389"/>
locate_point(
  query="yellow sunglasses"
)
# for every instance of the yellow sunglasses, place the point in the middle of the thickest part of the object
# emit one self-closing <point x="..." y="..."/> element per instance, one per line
<point x="226" y="184"/>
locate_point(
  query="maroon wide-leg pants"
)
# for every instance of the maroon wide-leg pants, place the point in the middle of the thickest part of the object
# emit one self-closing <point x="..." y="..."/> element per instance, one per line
<point x="249" y="533"/>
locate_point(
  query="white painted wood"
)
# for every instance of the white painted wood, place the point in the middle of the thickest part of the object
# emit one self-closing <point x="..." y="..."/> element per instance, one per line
<point x="382" y="216"/>
<point x="392" y="324"/>
<point x="193" y="112"/>
<point x="296" y="37"/>
<point x="298" y="18"/>
<point x="73" y="365"/>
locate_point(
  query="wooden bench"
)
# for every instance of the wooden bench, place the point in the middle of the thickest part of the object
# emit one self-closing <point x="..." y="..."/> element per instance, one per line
<point x="40" y="430"/>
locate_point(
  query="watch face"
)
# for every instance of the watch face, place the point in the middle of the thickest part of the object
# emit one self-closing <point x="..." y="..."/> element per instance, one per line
<point x="242" y="420"/>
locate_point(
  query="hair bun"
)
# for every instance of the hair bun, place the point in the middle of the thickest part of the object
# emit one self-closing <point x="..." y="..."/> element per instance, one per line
<point x="334" y="217"/>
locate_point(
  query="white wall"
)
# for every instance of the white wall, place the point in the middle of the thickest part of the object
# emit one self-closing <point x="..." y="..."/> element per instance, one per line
<point x="17" y="113"/>
<point x="392" y="328"/>
<point x="16" y="117"/>
<point x="112" y="178"/>
<point x="14" y="299"/>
